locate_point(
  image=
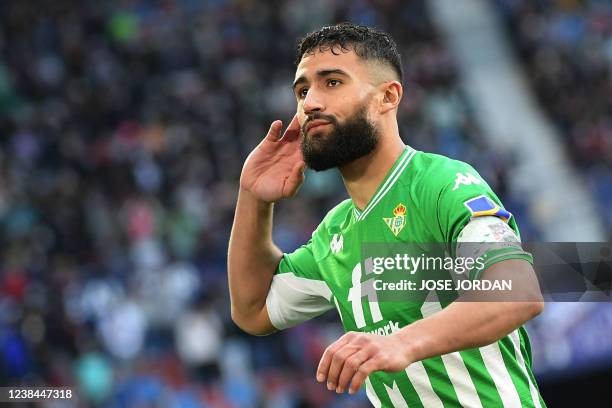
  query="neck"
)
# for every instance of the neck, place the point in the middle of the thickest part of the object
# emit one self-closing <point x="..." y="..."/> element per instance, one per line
<point x="363" y="176"/>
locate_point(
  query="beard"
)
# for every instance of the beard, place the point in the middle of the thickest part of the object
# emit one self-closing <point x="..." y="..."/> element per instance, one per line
<point x="346" y="142"/>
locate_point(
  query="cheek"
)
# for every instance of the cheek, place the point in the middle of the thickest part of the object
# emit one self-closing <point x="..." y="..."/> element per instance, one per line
<point x="351" y="106"/>
<point x="301" y="116"/>
<point x="355" y="96"/>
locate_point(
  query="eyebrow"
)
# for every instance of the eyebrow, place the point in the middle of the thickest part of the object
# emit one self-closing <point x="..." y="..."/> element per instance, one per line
<point x="321" y="74"/>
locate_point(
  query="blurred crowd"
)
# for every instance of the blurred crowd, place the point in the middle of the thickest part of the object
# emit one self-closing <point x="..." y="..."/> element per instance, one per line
<point x="566" y="50"/>
<point x="123" y="128"/>
<point x="565" y="47"/>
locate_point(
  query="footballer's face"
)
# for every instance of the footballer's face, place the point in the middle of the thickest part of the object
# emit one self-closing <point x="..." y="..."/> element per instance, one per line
<point x="335" y="104"/>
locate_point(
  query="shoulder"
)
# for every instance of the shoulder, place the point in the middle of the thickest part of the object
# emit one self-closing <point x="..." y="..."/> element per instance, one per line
<point x="438" y="170"/>
<point x="433" y="174"/>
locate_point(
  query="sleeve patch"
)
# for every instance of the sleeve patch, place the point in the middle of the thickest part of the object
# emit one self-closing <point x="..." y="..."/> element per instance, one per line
<point x="482" y="205"/>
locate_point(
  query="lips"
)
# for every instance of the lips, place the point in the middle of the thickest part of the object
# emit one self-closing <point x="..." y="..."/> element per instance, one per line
<point x="315" y="123"/>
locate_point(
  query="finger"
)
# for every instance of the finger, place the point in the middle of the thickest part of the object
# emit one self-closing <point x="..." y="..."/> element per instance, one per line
<point x="361" y="374"/>
<point x="293" y="130"/>
<point x="325" y="362"/>
<point x="294" y="124"/>
<point x="274" y="131"/>
<point x="295" y="179"/>
<point x="337" y="364"/>
<point x="351" y="365"/>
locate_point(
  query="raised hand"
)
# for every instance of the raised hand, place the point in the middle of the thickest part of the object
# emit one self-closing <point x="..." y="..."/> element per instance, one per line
<point x="275" y="168"/>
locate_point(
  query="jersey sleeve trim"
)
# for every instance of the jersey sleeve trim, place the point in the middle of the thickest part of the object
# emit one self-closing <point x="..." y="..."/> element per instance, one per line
<point x="518" y="253"/>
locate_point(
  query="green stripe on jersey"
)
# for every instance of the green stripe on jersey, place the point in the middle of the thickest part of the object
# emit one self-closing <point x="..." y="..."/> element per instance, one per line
<point x="441" y="382"/>
<point x="520" y="380"/>
<point x="485" y="387"/>
<point x="389" y="390"/>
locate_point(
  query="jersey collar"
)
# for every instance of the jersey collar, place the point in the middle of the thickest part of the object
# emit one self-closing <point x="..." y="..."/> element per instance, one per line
<point x="392" y="176"/>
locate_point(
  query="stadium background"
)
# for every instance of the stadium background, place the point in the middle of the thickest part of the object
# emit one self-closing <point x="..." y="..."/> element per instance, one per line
<point x="123" y="128"/>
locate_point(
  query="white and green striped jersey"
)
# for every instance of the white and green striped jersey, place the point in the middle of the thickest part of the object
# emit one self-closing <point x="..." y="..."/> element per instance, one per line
<point x="424" y="198"/>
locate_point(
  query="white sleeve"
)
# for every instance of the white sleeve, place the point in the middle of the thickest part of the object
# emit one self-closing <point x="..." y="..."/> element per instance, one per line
<point x="292" y="300"/>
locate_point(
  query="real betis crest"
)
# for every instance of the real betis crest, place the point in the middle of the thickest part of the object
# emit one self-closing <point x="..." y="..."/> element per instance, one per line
<point x="396" y="224"/>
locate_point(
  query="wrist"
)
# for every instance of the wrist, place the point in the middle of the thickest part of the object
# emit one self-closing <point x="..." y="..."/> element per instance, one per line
<point x="408" y="345"/>
<point x="246" y="195"/>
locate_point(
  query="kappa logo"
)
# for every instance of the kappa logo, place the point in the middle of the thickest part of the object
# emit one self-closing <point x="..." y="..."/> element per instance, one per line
<point x="466" y="179"/>
<point x="337" y="243"/>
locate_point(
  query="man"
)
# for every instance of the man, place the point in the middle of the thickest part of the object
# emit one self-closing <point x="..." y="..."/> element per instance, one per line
<point x="471" y="354"/>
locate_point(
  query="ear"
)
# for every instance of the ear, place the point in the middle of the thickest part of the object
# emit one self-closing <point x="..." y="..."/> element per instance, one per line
<point x="392" y="95"/>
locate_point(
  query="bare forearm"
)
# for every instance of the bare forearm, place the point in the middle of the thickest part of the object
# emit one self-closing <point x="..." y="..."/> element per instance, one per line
<point x="252" y="256"/>
<point x="459" y="326"/>
<point x="464" y="325"/>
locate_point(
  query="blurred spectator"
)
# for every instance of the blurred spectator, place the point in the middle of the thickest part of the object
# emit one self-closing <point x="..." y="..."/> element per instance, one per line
<point x="199" y="338"/>
<point x="567" y="50"/>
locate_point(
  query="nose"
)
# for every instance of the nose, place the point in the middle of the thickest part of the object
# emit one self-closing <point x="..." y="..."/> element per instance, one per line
<point x="313" y="102"/>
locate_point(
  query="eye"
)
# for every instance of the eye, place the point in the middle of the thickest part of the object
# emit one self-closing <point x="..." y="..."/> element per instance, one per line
<point x="301" y="93"/>
<point x="333" y="83"/>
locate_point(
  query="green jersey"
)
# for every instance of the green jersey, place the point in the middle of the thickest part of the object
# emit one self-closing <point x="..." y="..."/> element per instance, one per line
<point x="424" y="198"/>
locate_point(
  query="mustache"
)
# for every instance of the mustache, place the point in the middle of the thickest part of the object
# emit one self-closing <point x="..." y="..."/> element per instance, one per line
<point x="318" y="116"/>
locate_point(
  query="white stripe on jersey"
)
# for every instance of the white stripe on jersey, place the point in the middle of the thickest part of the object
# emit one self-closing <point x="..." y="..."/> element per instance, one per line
<point x="455" y="367"/>
<point x="420" y="381"/>
<point x="519" y="358"/>
<point x="371" y="393"/>
<point x="493" y="360"/>
<point x="395" y="395"/>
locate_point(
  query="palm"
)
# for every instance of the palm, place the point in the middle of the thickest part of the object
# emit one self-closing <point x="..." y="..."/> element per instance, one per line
<point x="274" y="168"/>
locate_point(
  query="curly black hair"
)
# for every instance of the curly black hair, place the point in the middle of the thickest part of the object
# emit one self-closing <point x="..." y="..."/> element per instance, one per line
<point x="367" y="42"/>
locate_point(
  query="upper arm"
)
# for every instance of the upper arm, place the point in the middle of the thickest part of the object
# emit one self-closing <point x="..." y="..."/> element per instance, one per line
<point x="492" y="239"/>
<point x="525" y="285"/>
<point x="260" y="325"/>
<point x="473" y="223"/>
<point x="298" y="292"/>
